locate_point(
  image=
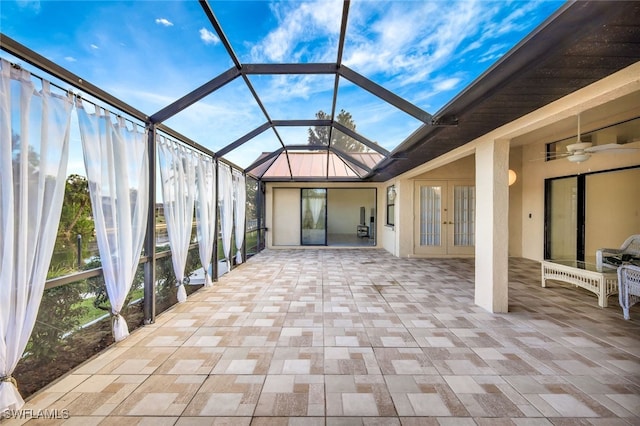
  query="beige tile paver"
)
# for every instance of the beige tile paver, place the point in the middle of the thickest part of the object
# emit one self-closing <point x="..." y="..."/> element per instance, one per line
<point x="359" y="337"/>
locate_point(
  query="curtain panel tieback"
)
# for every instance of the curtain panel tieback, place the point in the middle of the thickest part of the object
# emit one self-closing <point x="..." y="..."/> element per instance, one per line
<point x="207" y="278"/>
<point x="182" y="292"/>
<point x="9" y="379"/>
<point x="119" y="326"/>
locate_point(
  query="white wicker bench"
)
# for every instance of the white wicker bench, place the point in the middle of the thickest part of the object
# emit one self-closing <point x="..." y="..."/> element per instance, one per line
<point x="629" y="291"/>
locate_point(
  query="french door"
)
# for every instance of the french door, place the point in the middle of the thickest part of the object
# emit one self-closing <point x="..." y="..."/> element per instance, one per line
<point x="444" y="218"/>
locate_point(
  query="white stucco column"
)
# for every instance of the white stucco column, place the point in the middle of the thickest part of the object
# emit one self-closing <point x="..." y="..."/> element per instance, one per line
<point x="492" y="225"/>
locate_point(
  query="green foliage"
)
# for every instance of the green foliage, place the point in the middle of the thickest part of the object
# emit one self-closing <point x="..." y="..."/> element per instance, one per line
<point x="75" y="219"/>
<point x="96" y="287"/>
<point x="319" y="135"/>
<point x="60" y="312"/>
<point x="76" y="210"/>
<point x="252" y="200"/>
<point x="166" y="283"/>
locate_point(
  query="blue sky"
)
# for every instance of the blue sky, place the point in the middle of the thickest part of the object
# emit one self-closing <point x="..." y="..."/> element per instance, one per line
<point x="150" y="53"/>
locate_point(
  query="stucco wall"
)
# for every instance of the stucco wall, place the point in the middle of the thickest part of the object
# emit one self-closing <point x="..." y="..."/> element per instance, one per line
<point x="282" y="215"/>
<point x="612" y="209"/>
<point x="515" y="203"/>
<point x="285" y="227"/>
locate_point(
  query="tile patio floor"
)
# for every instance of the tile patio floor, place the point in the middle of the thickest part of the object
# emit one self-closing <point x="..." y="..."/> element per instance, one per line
<point x="350" y="337"/>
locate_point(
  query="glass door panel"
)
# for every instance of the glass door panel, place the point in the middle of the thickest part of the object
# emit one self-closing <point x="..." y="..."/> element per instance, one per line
<point x="461" y="221"/>
<point x="430" y="234"/>
<point x="562" y="218"/>
<point x="314" y="216"/>
<point x="612" y="209"/>
<point x="430" y="215"/>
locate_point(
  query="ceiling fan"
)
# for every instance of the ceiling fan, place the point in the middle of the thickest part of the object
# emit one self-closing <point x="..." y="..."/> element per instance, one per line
<point x="581" y="151"/>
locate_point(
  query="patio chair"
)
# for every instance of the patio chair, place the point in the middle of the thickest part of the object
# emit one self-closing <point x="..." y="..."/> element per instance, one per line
<point x="628" y="251"/>
<point x="629" y="287"/>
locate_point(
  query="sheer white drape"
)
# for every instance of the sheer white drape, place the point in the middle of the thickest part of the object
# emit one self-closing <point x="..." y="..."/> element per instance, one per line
<point x="240" y="198"/>
<point x="206" y="212"/>
<point x="34" y="149"/>
<point x="315" y="206"/>
<point x="117" y="165"/>
<point x="178" y="178"/>
<point x="225" y="189"/>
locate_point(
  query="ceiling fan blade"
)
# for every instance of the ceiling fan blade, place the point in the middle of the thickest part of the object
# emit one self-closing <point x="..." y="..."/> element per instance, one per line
<point x="553" y="156"/>
<point x="611" y="147"/>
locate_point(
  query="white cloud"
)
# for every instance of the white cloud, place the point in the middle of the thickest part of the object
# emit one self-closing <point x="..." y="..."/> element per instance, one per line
<point x="34" y="5"/>
<point x="70" y="59"/>
<point x="93" y="46"/>
<point x="208" y="37"/>
<point x="164" y="22"/>
<point x="447" y="84"/>
<point x="411" y="40"/>
<point x="298" y="27"/>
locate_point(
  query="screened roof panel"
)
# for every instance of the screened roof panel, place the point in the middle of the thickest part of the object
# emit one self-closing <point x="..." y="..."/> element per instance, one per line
<point x="297" y="135"/>
<point x="137" y="51"/>
<point x="348" y="145"/>
<point x="283" y="31"/>
<point x="250" y="151"/>
<point x="401" y="62"/>
<point x="368" y="111"/>
<point x="427" y="51"/>
<point x="220" y="118"/>
<point x="305" y="94"/>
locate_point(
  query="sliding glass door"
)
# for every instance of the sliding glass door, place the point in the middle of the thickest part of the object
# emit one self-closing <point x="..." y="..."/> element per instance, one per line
<point x="314" y="216"/>
<point x="562" y="218"/>
<point x="590" y="211"/>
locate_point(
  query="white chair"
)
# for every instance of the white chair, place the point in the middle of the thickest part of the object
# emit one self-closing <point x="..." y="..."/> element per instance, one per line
<point x="630" y="247"/>
<point x="629" y="287"/>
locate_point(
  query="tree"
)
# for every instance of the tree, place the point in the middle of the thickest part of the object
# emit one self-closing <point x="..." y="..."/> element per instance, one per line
<point x="319" y="135"/>
<point x="76" y="209"/>
<point x="75" y="219"/>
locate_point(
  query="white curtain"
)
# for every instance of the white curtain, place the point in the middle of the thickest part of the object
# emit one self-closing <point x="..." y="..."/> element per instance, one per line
<point x="178" y="178"/>
<point x="206" y="212"/>
<point x="315" y="206"/>
<point x="117" y="165"/>
<point x="34" y="149"/>
<point x="240" y="198"/>
<point x="225" y="189"/>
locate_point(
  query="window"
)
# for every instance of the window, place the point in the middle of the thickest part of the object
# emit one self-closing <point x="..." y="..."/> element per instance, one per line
<point x="391" y="200"/>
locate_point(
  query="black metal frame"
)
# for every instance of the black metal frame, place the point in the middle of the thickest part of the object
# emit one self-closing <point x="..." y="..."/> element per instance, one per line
<point x="338" y="69"/>
<point x="325" y="215"/>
